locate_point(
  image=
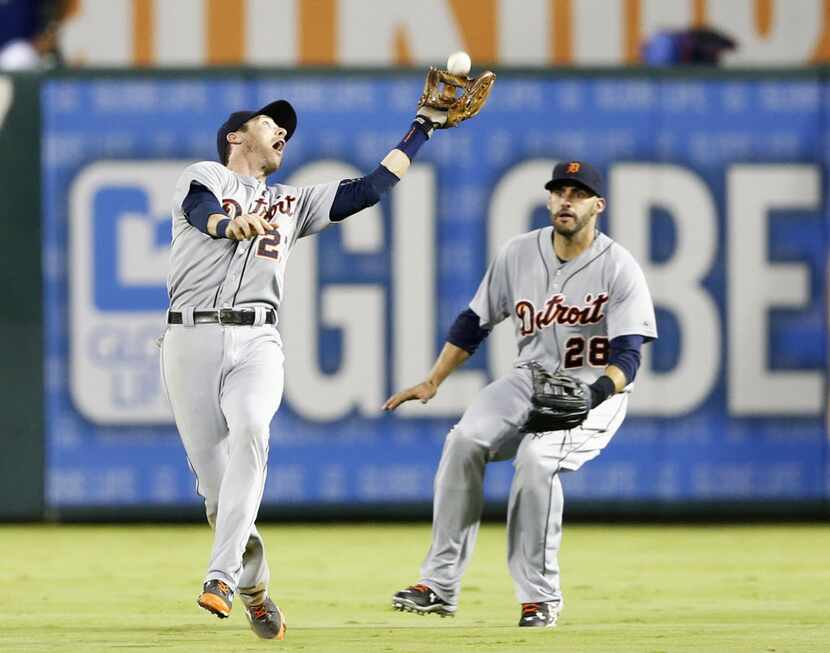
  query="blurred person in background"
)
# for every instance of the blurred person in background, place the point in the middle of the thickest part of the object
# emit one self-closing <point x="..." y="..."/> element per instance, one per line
<point x="28" y="33"/>
<point x="699" y="46"/>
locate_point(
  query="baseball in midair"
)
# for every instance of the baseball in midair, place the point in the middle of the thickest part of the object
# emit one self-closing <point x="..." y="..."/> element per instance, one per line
<point x="458" y="63"/>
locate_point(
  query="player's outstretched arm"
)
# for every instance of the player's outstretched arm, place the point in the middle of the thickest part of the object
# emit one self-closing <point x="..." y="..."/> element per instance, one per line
<point x="439" y="107"/>
<point x="465" y="335"/>
<point x="354" y="195"/>
<point x="448" y="360"/>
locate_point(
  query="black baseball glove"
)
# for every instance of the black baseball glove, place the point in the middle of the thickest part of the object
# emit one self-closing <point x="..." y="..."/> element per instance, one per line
<point x="560" y="402"/>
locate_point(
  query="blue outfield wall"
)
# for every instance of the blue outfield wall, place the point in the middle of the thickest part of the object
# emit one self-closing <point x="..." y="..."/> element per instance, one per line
<point x="717" y="185"/>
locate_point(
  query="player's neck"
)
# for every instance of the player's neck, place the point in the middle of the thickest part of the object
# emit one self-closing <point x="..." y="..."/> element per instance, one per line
<point x="246" y="168"/>
<point x="568" y="248"/>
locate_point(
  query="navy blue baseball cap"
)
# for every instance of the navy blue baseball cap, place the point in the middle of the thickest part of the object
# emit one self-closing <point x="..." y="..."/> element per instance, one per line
<point x="579" y="173"/>
<point x="280" y="111"/>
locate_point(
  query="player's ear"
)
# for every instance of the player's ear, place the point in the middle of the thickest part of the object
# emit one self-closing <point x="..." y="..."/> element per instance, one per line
<point x="600" y="205"/>
<point x="234" y="137"/>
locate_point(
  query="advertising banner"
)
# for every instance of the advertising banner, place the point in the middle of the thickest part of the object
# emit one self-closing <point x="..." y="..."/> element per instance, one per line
<point x="367" y="33"/>
<point x="716" y="186"/>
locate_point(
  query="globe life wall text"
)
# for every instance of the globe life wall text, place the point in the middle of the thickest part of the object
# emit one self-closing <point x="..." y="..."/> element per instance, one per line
<point x="717" y="284"/>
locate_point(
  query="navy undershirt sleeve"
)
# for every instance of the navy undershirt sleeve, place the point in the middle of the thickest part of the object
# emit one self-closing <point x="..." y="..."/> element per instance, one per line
<point x="625" y="354"/>
<point x="354" y="195"/>
<point x="199" y="205"/>
<point x="466" y="331"/>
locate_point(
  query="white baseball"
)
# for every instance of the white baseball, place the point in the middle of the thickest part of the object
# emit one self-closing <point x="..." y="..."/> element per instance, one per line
<point x="458" y="63"/>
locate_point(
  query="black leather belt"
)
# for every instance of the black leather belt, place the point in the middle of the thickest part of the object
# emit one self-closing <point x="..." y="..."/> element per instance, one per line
<point x="236" y="317"/>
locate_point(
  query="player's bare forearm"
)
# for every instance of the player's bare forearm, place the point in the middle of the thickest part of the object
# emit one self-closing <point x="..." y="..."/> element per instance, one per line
<point x="617" y="376"/>
<point x="448" y="360"/>
<point x="396" y="162"/>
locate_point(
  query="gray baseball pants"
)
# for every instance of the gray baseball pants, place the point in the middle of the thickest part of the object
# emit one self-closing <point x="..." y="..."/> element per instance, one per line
<point x="225" y="384"/>
<point x="489" y="431"/>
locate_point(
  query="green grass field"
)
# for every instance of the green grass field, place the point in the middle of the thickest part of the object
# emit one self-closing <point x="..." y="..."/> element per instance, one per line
<point x="645" y="589"/>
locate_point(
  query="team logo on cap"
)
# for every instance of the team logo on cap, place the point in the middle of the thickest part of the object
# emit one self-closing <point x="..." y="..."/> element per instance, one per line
<point x="573" y="167"/>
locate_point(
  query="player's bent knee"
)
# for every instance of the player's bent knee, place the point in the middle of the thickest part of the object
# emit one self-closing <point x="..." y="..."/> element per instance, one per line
<point x="462" y="442"/>
<point x="250" y="433"/>
<point x="211" y="510"/>
<point x="533" y="460"/>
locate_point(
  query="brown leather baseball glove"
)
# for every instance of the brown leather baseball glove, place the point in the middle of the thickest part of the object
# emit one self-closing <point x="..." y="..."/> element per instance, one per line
<point x="459" y="97"/>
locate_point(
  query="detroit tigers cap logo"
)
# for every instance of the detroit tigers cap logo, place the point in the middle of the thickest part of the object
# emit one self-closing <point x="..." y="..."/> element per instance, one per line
<point x="573" y="167"/>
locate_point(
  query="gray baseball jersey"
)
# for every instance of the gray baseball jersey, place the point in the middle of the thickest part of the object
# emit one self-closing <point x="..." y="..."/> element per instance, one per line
<point x="211" y="273"/>
<point x="564" y="314"/>
<point x="225" y="383"/>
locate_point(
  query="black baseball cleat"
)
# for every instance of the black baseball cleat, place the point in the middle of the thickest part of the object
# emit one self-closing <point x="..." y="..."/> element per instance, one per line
<point x="540" y="615"/>
<point x="422" y="600"/>
<point x="216" y="598"/>
<point x="266" y="619"/>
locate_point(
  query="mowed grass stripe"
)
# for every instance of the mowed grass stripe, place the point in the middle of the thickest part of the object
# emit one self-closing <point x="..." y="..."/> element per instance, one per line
<point x="645" y="589"/>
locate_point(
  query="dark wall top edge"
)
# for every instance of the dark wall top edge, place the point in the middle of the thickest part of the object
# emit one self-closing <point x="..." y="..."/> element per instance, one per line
<point x="674" y="72"/>
<point x="703" y="512"/>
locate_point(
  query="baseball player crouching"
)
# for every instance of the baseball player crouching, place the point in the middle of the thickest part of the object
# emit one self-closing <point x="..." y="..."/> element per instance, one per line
<point x="580" y="308"/>
<point x="221" y="355"/>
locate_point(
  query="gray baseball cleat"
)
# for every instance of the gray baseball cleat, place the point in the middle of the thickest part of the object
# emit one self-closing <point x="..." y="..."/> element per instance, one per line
<point x="420" y="599"/>
<point x="216" y="598"/>
<point x="266" y="619"/>
<point x="540" y="615"/>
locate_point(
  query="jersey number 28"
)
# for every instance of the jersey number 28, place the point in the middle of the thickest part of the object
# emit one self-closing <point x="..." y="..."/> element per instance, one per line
<point x="597" y="351"/>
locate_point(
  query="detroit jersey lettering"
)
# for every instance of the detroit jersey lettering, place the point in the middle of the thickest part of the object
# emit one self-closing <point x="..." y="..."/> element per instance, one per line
<point x="564" y="314"/>
<point x="214" y="273"/>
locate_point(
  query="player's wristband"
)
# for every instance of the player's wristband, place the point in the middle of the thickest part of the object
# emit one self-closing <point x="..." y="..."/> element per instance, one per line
<point x="222" y="227"/>
<point x="601" y="389"/>
<point x="425" y="123"/>
<point x="417" y="135"/>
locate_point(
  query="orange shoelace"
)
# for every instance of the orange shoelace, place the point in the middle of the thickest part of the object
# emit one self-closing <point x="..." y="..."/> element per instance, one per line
<point x="259" y="611"/>
<point x="531" y="607"/>
<point x="223" y="587"/>
<point x="419" y="588"/>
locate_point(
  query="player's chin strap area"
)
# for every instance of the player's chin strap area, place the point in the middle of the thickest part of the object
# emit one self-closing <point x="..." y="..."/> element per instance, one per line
<point x="255" y="316"/>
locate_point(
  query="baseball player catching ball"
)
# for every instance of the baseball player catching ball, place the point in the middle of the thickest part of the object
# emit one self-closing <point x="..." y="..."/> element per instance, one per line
<point x="221" y="355"/>
<point x="580" y="308"/>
